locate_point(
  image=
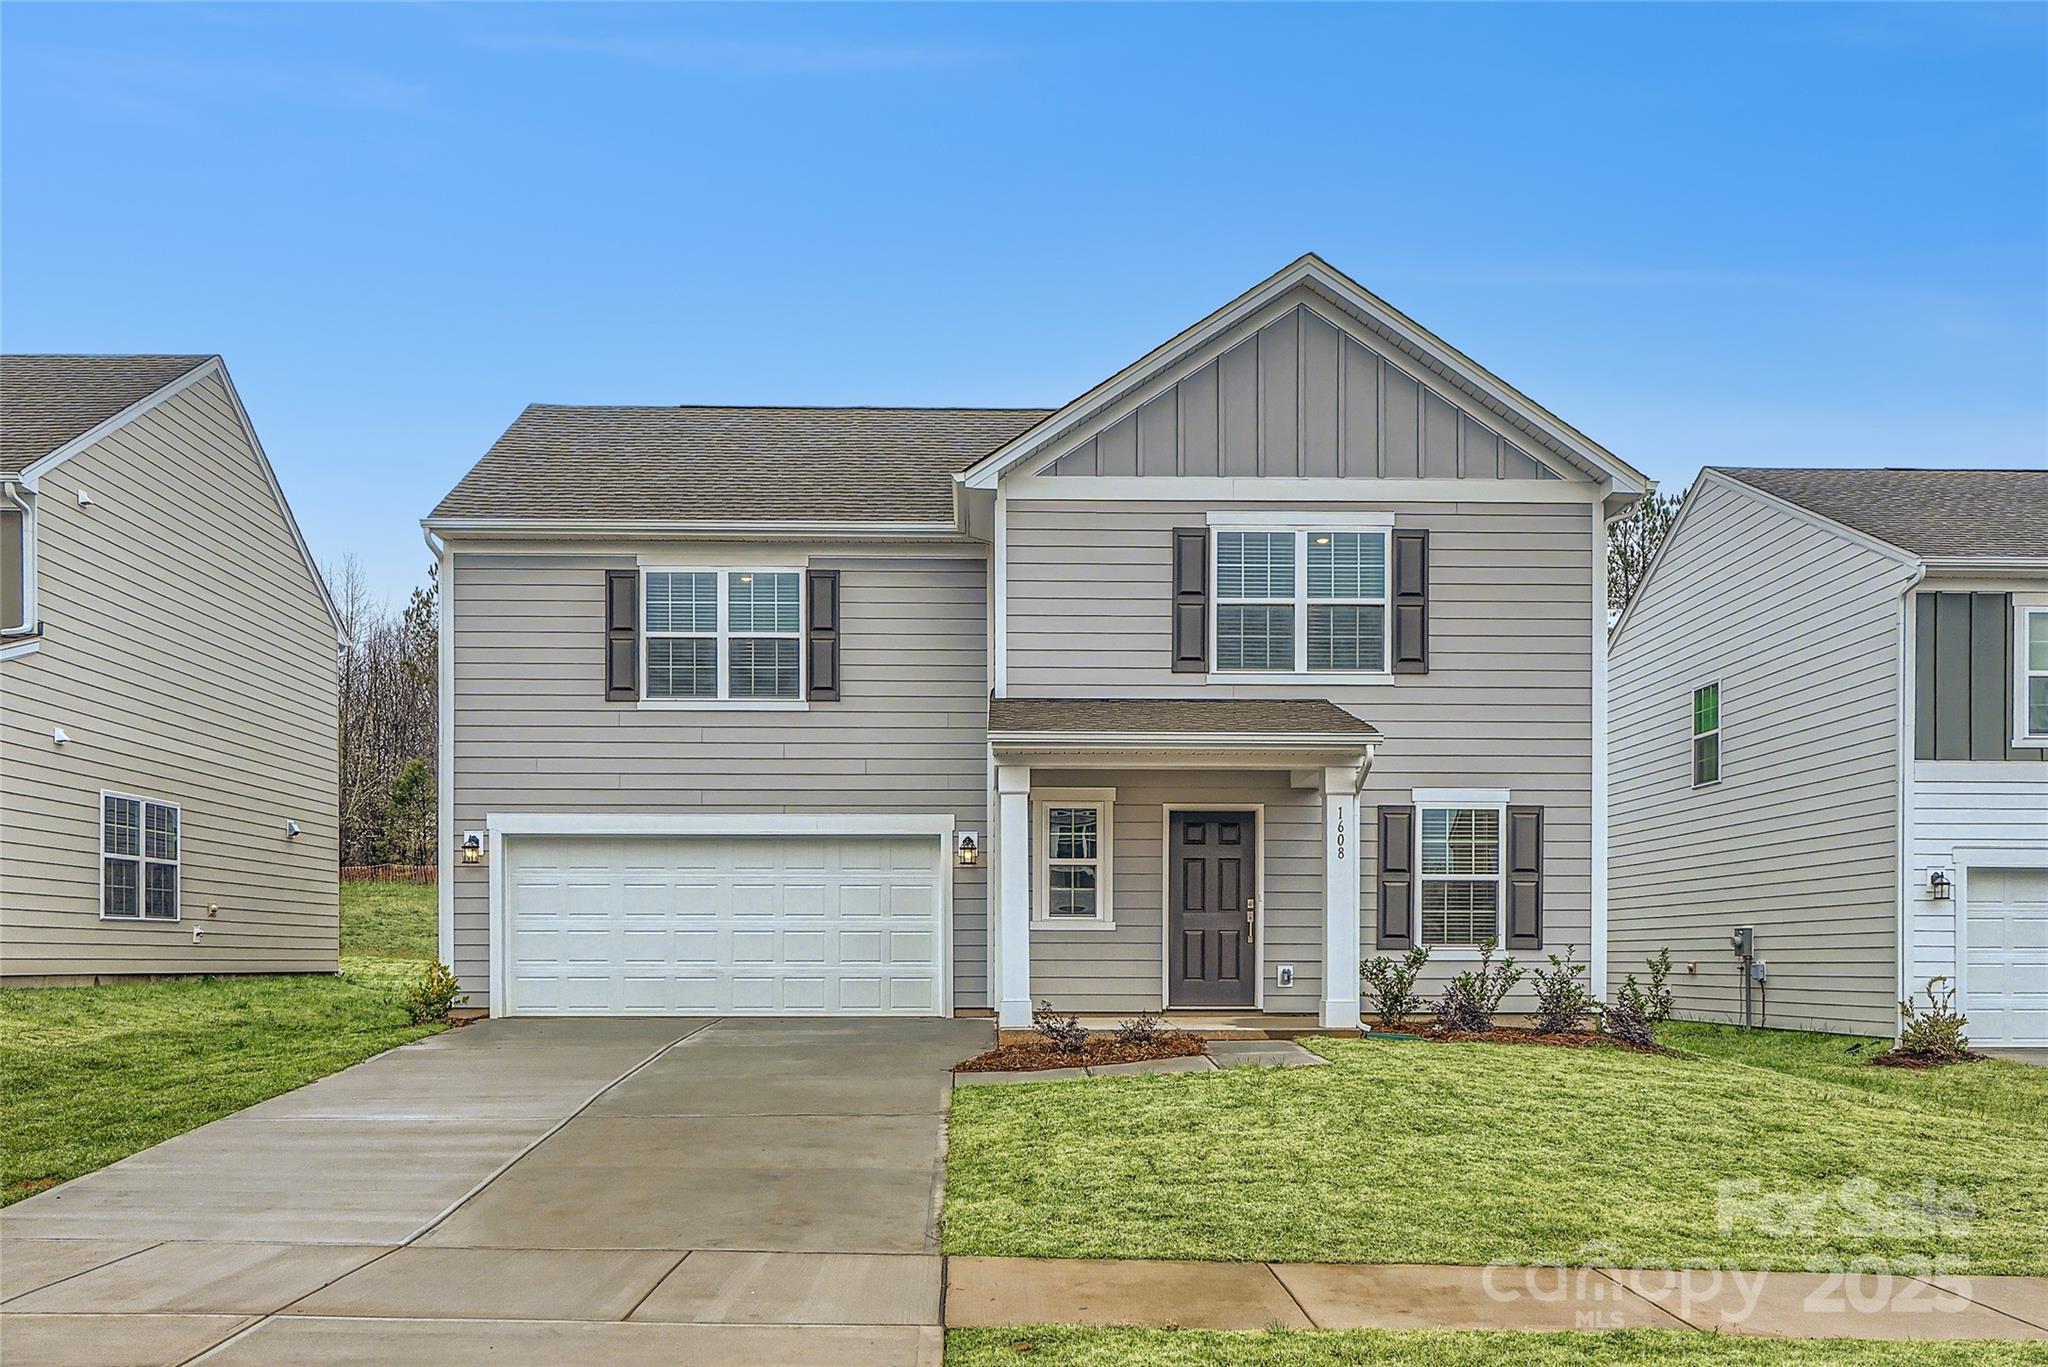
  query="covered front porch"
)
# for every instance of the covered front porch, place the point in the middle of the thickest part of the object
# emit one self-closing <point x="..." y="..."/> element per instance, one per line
<point x="1178" y="855"/>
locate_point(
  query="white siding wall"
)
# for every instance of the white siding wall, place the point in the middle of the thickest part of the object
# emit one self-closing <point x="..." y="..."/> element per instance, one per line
<point x="1801" y="626"/>
<point x="533" y="732"/>
<point x="1992" y="814"/>
<point x="1507" y="702"/>
<point x="188" y="656"/>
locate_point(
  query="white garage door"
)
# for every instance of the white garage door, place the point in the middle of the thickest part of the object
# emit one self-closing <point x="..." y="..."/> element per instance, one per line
<point x="2005" y="976"/>
<point x="772" y="925"/>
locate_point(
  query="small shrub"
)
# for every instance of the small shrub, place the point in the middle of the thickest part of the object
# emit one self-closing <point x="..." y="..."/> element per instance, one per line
<point x="1563" y="999"/>
<point x="1391" y="986"/>
<point x="1627" y="1017"/>
<point x="1064" y="1033"/>
<point x="430" y="996"/>
<point x="1935" y="1033"/>
<point x="1657" y="996"/>
<point x="1141" y="1030"/>
<point x="1469" y="1002"/>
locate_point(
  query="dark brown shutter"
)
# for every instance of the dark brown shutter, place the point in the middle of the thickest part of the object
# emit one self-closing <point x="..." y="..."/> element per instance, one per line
<point x="1397" y="878"/>
<point x="621" y="635"/>
<point x="1191" y="600"/>
<point x="1411" y="601"/>
<point x="1525" y="878"/>
<point x="821" y="635"/>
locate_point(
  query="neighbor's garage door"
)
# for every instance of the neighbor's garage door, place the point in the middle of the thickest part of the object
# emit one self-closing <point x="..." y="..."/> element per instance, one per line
<point x="2005" y="977"/>
<point x="703" y="925"/>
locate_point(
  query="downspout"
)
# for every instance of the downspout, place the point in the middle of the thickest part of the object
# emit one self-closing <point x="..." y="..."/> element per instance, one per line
<point x="444" y="746"/>
<point x="1908" y="651"/>
<point x="27" y="626"/>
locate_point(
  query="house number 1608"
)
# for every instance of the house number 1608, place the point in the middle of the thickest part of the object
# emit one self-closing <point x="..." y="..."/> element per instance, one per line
<point x="1340" y="833"/>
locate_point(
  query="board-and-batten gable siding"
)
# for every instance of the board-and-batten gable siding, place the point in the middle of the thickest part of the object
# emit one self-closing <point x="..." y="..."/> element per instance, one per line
<point x="1299" y="398"/>
<point x="188" y="655"/>
<point x="1800" y="626"/>
<point x="533" y="732"/>
<point x="1507" y="701"/>
<point x="1121" y="969"/>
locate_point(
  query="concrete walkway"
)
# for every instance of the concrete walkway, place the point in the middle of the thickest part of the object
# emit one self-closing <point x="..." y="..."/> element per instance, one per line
<point x="1198" y="1295"/>
<point x="524" y="1192"/>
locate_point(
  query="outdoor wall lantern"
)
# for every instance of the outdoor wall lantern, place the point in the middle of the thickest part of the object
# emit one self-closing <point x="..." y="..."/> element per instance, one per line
<point x="473" y="848"/>
<point x="1940" y="886"/>
<point x="967" y="848"/>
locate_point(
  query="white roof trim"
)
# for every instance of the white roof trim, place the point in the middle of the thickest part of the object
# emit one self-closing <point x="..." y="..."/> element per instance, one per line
<point x="595" y="526"/>
<point x="1309" y="270"/>
<point x="210" y="368"/>
<point x="1173" y="740"/>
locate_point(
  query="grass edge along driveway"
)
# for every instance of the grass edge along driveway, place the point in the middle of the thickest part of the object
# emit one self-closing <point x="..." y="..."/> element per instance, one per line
<point x="93" y="1074"/>
<point x="1463" y="1153"/>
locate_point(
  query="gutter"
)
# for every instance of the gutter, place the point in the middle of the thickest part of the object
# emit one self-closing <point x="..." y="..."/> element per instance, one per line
<point x="574" y="527"/>
<point x="1058" y="740"/>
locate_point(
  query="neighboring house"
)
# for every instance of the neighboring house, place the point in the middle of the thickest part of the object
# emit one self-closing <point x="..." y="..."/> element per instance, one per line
<point x="168" y="757"/>
<point x="1281" y="646"/>
<point x="1830" y="725"/>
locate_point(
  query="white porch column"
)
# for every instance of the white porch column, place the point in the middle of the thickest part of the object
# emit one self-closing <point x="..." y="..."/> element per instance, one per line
<point x="1012" y="903"/>
<point x="1340" y="896"/>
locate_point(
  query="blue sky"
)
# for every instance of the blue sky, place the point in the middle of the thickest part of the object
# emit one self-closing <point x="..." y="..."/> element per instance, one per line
<point x="1737" y="233"/>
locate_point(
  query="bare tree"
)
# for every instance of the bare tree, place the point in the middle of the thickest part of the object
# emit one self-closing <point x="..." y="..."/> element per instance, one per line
<point x="1632" y="543"/>
<point x="387" y="669"/>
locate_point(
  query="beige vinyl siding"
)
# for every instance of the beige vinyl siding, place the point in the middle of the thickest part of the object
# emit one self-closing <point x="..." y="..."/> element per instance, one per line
<point x="1799" y="839"/>
<point x="1122" y="969"/>
<point x="533" y="732"/>
<point x="189" y="657"/>
<point x="1507" y="702"/>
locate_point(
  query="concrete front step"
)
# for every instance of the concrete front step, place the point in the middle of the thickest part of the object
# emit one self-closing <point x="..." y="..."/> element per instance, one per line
<point x="1017" y="1291"/>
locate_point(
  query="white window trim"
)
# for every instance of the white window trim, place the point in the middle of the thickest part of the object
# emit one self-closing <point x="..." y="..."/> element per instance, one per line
<point x="1500" y="876"/>
<point x="724" y="701"/>
<point x="15" y="632"/>
<point x="2025" y="607"/>
<point x="1693" y="735"/>
<point x="142" y="860"/>
<point x="1104" y="802"/>
<point x="1300" y="528"/>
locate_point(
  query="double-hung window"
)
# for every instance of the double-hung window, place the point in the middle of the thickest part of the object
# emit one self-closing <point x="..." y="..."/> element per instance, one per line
<point x="2031" y="688"/>
<point x="138" y="859"/>
<point x="1460" y="874"/>
<point x="1706" y="735"/>
<point x="1304" y="600"/>
<point x="1072" y="837"/>
<point x="733" y="635"/>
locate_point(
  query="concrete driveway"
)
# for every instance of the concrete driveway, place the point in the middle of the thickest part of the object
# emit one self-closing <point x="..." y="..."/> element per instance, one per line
<point x="523" y="1191"/>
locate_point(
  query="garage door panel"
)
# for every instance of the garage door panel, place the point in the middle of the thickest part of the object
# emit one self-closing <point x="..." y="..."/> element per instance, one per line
<point x="773" y="925"/>
<point x="2005" y="965"/>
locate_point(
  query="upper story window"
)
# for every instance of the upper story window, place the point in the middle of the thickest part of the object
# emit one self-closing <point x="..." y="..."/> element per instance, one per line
<point x="1301" y="600"/>
<point x="1706" y="735"/>
<point x="1072" y="837"/>
<point x="1460" y="874"/>
<point x="2031" y="688"/>
<point x="17" y="606"/>
<point x="724" y="634"/>
<point x="138" y="859"/>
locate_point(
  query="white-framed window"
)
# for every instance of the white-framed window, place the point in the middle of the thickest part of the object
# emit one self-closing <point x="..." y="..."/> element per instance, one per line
<point x="1706" y="734"/>
<point x="2030" y="664"/>
<point x="722" y="635"/>
<point x="139" y="839"/>
<point x="1072" y="840"/>
<point x="1302" y="600"/>
<point x="17" y="569"/>
<point x="1460" y="872"/>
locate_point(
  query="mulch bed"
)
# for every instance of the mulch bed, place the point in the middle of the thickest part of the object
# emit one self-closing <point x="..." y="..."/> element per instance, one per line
<point x="1036" y="1055"/>
<point x="1892" y="1058"/>
<point x="1575" y="1039"/>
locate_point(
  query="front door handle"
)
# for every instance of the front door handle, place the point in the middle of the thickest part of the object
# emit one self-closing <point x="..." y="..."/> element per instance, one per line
<point x="1248" y="920"/>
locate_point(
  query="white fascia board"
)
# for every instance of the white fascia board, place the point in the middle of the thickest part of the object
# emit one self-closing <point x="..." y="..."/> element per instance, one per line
<point x="713" y="823"/>
<point x="212" y="367"/>
<point x="1309" y="270"/>
<point x="1363" y="489"/>
<point x="1184" y="740"/>
<point x="567" y="528"/>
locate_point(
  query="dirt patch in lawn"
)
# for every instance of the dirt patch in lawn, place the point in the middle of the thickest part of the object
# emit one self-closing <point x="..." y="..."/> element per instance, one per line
<point x="1893" y="1058"/>
<point x="1570" y="1039"/>
<point x="1036" y="1055"/>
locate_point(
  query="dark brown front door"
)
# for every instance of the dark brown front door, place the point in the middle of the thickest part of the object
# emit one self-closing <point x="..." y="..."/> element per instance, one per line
<point x="1211" y="911"/>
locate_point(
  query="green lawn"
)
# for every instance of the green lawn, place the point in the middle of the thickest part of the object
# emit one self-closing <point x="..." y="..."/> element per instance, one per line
<point x="92" y="1074"/>
<point x="1464" y="1153"/>
<point x="1088" y="1347"/>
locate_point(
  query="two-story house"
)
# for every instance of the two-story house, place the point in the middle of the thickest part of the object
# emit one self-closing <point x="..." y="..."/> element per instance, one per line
<point x="1830" y="730"/>
<point x="1281" y="646"/>
<point x="168" y="753"/>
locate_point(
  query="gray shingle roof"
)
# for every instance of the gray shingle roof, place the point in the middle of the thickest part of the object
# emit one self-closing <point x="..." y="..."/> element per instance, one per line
<point x="1176" y="717"/>
<point x="46" y="401"/>
<point x="732" y="464"/>
<point x="1990" y="513"/>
